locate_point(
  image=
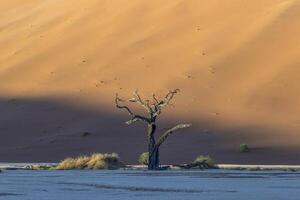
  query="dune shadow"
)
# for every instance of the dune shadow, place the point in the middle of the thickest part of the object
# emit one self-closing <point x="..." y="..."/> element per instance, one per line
<point x="48" y="130"/>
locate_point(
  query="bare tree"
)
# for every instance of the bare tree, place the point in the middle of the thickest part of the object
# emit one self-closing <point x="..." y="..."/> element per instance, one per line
<point x="153" y="108"/>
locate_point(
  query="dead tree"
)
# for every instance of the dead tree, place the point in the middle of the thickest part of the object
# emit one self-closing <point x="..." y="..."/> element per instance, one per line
<point x="153" y="108"/>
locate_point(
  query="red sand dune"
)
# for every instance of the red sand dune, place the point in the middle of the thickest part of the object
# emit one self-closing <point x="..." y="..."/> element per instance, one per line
<point x="236" y="63"/>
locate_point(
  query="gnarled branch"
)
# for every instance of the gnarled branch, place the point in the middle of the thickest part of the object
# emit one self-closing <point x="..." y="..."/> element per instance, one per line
<point x="137" y="98"/>
<point x="169" y="132"/>
<point x="134" y="117"/>
<point x="154" y="98"/>
<point x="153" y="107"/>
<point x="165" y="102"/>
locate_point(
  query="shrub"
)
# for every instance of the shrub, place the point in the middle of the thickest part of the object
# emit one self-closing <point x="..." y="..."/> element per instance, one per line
<point x="94" y="161"/>
<point x="244" y="148"/>
<point x="144" y="158"/>
<point x="204" y="159"/>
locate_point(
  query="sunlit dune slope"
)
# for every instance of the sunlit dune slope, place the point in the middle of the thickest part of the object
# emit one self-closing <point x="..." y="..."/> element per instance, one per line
<point x="236" y="62"/>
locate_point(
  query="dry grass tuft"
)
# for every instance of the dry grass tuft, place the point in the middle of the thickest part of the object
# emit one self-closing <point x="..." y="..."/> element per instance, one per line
<point x="94" y="161"/>
<point x="205" y="159"/>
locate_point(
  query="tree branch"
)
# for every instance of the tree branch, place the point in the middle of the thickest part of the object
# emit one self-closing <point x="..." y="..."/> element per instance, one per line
<point x="134" y="117"/>
<point x="153" y="107"/>
<point x="117" y="100"/>
<point x="154" y="98"/>
<point x="170" y="95"/>
<point x="166" y="101"/>
<point x="137" y="99"/>
<point x="170" y="131"/>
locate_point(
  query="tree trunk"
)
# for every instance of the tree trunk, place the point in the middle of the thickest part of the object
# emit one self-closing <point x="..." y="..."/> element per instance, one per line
<point x="152" y="149"/>
<point x="154" y="159"/>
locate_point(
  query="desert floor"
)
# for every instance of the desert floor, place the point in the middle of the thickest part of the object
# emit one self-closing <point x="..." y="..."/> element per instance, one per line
<point x="144" y="185"/>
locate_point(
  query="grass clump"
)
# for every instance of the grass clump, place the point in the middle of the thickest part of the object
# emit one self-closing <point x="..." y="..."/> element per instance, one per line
<point x="244" y="148"/>
<point x="201" y="162"/>
<point x="144" y="158"/>
<point x="39" y="167"/>
<point x="204" y="160"/>
<point x="94" y="161"/>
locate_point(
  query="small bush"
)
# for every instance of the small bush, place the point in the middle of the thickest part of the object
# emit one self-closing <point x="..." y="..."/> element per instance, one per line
<point x="244" y="148"/>
<point x="144" y="158"/>
<point x="204" y="159"/>
<point x="94" y="161"/>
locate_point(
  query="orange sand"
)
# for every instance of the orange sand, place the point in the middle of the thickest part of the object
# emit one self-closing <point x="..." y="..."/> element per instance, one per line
<point x="236" y="63"/>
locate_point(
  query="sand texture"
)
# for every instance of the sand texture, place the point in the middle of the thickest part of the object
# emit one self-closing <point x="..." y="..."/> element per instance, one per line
<point x="236" y="62"/>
